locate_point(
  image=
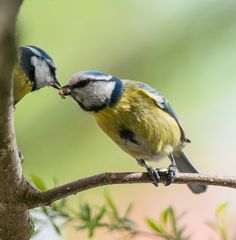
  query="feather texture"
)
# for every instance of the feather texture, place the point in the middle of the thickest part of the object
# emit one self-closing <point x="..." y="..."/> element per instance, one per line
<point x="21" y="84"/>
<point x="156" y="131"/>
<point x="135" y="116"/>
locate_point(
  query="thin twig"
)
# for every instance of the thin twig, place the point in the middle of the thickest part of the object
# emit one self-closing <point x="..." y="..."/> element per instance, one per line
<point x="35" y="198"/>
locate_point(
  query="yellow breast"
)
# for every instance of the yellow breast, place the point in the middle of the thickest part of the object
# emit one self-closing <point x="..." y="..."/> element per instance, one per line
<point x="21" y="84"/>
<point x="153" y="128"/>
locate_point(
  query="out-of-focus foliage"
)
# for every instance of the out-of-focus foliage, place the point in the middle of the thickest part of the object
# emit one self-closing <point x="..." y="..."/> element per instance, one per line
<point x="88" y="218"/>
<point x="221" y="224"/>
<point x="168" y="227"/>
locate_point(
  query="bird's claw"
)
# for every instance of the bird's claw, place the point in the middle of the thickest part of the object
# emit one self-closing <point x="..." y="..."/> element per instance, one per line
<point x="154" y="175"/>
<point x="170" y="177"/>
<point x="169" y="173"/>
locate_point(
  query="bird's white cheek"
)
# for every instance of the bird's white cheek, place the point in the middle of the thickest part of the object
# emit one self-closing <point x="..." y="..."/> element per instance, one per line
<point x="42" y="73"/>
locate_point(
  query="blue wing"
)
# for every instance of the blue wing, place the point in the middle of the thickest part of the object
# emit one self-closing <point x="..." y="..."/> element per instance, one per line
<point x="163" y="104"/>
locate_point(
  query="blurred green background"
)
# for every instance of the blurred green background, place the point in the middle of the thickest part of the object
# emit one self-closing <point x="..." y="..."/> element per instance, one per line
<point x="186" y="49"/>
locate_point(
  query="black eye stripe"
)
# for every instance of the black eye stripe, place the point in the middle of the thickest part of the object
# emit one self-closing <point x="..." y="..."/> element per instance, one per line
<point x="52" y="70"/>
<point x="82" y="84"/>
<point x="33" y="73"/>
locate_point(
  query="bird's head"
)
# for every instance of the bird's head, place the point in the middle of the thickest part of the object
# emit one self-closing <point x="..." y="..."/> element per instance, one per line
<point x="39" y="67"/>
<point x="93" y="90"/>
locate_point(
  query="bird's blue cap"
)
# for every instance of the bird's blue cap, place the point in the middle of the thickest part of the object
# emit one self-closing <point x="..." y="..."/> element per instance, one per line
<point x="94" y="73"/>
<point x="43" y="53"/>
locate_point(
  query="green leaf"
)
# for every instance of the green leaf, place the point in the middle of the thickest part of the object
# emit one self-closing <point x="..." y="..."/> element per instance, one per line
<point x="81" y="227"/>
<point x="221" y="208"/>
<point x="154" y="226"/>
<point x="127" y="220"/>
<point x="38" y="182"/>
<point x="45" y="210"/>
<point x="111" y="204"/>
<point x="100" y="214"/>
<point x="172" y="218"/>
<point x="90" y="232"/>
<point x="165" y="216"/>
<point x="172" y="215"/>
<point x="101" y="225"/>
<point x="128" y="209"/>
<point x="57" y="229"/>
<point x="85" y="212"/>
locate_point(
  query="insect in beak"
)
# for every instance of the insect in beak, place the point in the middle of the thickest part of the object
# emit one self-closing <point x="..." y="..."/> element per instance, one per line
<point x="65" y="91"/>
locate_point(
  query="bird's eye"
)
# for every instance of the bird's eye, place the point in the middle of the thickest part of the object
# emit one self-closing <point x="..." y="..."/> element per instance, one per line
<point x="53" y="71"/>
<point x="32" y="69"/>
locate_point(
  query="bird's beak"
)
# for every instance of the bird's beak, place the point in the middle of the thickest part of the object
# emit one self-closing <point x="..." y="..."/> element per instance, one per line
<point x="65" y="91"/>
<point x="55" y="84"/>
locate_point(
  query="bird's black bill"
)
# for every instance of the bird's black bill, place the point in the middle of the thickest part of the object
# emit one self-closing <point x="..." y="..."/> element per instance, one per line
<point x="55" y="84"/>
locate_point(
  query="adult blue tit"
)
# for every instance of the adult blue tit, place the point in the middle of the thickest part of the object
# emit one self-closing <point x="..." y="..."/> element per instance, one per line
<point x="34" y="70"/>
<point x="137" y="118"/>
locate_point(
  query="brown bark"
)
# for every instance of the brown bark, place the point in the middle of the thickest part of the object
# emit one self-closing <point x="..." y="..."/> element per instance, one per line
<point x="14" y="223"/>
<point x="36" y="198"/>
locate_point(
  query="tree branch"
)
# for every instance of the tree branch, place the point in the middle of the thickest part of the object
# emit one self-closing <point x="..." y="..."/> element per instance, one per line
<point x="35" y="198"/>
<point x="14" y="225"/>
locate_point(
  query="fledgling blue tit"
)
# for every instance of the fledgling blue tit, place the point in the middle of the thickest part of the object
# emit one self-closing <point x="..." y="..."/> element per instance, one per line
<point x="34" y="70"/>
<point x="137" y="118"/>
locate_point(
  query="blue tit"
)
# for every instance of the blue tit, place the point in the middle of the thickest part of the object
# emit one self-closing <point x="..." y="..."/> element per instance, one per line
<point x="34" y="70"/>
<point x="137" y="118"/>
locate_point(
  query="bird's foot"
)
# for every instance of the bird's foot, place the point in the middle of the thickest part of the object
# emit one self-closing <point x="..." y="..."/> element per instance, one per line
<point x="169" y="173"/>
<point x="154" y="175"/>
